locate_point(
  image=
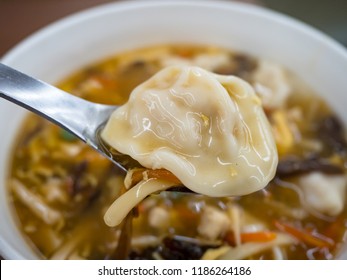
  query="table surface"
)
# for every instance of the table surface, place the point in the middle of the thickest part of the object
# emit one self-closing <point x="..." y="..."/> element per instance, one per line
<point x="20" y="18"/>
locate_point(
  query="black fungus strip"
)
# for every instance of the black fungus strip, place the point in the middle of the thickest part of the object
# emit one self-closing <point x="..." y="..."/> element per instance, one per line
<point x="124" y="241"/>
<point x="180" y="189"/>
<point x="240" y="65"/>
<point x="173" y="248"/>
<point x="76" y="177"/>
<point x="295" y="166"/>
<point x="146" y="254"/>
<point x="332" y="133"/>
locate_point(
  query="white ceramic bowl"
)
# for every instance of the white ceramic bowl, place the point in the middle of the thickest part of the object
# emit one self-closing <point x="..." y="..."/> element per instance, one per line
<point x="88" y="36"/>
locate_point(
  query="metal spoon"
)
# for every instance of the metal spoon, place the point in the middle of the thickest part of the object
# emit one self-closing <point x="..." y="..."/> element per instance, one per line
<point x="80" y="117"/>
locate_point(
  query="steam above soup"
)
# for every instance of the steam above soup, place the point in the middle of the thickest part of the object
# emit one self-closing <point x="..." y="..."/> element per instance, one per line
<point x="209" y="130"/>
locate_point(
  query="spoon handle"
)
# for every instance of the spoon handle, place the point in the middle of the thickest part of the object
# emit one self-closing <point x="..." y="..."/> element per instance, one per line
<point x="69" y="112"/>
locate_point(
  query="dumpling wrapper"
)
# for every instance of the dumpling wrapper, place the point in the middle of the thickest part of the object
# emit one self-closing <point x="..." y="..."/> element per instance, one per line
<point x="209" y="130"/>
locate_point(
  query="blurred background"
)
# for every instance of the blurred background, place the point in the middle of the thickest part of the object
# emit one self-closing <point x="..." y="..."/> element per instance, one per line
<point x="20" y="18"/>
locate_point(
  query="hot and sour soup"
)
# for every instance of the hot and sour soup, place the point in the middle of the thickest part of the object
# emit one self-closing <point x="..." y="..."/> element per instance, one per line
<point x="61" y="188"/>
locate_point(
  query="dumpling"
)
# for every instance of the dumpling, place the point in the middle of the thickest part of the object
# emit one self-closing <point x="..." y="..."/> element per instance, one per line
<point x="209" y="130"/>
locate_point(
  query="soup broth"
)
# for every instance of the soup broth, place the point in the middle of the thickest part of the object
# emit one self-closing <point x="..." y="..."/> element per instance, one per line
<point x="60" y="188"/>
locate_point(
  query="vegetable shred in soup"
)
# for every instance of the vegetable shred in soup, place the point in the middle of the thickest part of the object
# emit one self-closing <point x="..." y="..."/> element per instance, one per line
<point x="61" y="188"/>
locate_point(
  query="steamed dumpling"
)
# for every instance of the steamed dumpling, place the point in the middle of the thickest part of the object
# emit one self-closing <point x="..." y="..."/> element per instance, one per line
<point x="209" y="130"/>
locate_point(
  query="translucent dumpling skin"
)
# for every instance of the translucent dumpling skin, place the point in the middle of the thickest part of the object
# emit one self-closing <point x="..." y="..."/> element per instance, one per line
<point x="207" y="129"/>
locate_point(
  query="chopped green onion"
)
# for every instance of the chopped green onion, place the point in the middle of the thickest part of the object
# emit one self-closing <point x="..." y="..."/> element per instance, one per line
<point x="67" y="136"/>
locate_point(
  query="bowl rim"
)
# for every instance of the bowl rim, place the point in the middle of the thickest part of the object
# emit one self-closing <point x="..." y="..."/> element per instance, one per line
<point x="247" y="8"/>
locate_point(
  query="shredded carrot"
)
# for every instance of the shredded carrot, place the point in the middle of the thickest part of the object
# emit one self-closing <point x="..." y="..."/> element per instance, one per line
<point x="258" y="236"/>
<point x="104" y="81"/>
<point x="141" y="208"/>
<point x="163" y="174"/>
<point x="185" y="213"/>
<point x="185" y="53"/>
<point x="334" y="229"/>
<point x="309" y="237"/>
<point x="230" y="238"/>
